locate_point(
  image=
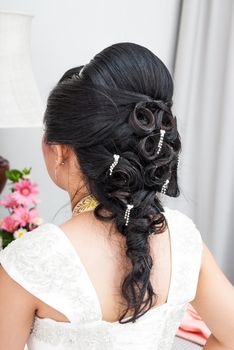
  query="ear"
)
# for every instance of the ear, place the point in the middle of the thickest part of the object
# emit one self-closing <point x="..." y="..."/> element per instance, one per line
<point x="60" y="153"/>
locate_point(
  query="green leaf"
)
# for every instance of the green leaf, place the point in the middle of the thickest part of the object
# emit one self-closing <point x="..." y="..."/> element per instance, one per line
<point x="14" y="175"/>
<point x="26" y="171"/>
<point x="7" y="238"/>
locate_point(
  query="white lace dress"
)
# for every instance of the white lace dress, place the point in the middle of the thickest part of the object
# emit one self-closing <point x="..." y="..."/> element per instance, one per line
<point x="46" y="264"/>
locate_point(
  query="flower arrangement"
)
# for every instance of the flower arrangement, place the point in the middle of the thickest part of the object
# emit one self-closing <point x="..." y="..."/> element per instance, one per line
<point x="21" y="204"/>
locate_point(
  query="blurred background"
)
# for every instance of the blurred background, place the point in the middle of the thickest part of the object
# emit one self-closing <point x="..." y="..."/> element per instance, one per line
<point x="40" y="40"/>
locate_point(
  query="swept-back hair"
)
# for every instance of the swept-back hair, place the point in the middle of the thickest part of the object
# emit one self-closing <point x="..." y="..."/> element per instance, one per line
<point x="118" y="104"/>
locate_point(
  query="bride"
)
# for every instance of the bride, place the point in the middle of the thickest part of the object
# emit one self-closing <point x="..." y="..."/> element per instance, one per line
<point x="119" y="274"/>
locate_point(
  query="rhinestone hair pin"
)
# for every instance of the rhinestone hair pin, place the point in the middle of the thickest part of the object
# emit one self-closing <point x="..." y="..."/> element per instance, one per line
<point x="164" y="187"/>
<point x="80" y="72"/>
<point x="127" y="213"/>
<point x="115" y="162"/>
<point x="162" y="133"/>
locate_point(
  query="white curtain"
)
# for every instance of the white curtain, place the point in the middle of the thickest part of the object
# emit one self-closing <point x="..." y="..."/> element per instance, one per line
<point x="204" y="106"/>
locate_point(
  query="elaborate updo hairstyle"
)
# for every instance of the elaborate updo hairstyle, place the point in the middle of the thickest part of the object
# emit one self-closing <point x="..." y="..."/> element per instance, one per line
<point x="117" y="105"/>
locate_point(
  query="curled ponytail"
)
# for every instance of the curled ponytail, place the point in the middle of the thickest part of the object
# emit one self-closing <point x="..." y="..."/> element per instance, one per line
<point x="118" y="105"/>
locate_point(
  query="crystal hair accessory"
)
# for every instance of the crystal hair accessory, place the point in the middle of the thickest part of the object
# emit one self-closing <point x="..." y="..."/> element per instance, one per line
<point x="80" y="72"/>
<point x="115" y="162"/>
<point x="164" y="187"/>
<point x="162" y="133"/>
<point x="178" y="159"/>
<point x="127" y="213"/>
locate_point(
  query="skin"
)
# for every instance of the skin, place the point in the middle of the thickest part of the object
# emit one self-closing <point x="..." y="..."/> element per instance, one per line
<point x="214" y="300"/>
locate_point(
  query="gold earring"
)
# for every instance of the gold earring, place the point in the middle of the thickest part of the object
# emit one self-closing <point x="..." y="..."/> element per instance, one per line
<point x="56" y="169"/>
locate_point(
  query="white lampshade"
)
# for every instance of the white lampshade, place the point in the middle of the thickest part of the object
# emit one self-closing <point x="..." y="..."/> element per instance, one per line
<point x="20" y="102"/>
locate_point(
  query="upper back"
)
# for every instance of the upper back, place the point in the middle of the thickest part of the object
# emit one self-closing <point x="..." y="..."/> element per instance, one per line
<point x="82" y="254"/>
<point x="62" y="273"/>
<point x="102" y="250"/>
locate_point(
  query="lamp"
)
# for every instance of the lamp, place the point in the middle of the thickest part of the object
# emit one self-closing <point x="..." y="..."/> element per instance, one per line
<point x="20" y="103"/>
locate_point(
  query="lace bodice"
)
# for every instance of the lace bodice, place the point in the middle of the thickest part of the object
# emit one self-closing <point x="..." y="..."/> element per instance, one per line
<point x="47" y="265"/>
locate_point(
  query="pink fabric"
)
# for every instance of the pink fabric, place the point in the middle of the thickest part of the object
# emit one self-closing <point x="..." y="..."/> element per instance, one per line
<point x="193" y="328"/>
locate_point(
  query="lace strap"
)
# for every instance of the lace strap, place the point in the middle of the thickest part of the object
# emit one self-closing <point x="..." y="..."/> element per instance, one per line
<point x="187" y="247"/>
<point x="43" y="262"/>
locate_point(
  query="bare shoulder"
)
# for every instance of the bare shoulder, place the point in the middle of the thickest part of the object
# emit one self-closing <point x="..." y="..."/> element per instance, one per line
<point x="214" y="300"/>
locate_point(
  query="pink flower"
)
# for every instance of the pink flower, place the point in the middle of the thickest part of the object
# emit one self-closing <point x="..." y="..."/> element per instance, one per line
<point x="9" y="202"/>
<point x="9" y="224"/>
<point x="25" y="192"/>
<point x="24" y="216"/>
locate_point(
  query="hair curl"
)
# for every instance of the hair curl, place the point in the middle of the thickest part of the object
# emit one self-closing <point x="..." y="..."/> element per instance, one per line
<point x="118" y="105"/>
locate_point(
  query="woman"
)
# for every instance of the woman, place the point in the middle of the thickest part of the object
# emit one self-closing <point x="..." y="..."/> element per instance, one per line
<point x="121" y="271"/>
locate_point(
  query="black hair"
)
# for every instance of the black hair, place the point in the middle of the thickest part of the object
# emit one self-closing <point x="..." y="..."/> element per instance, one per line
<point x="117" y="105"/>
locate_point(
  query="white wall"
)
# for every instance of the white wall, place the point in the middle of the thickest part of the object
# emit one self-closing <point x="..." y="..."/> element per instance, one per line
<point x="67" y="34"/>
